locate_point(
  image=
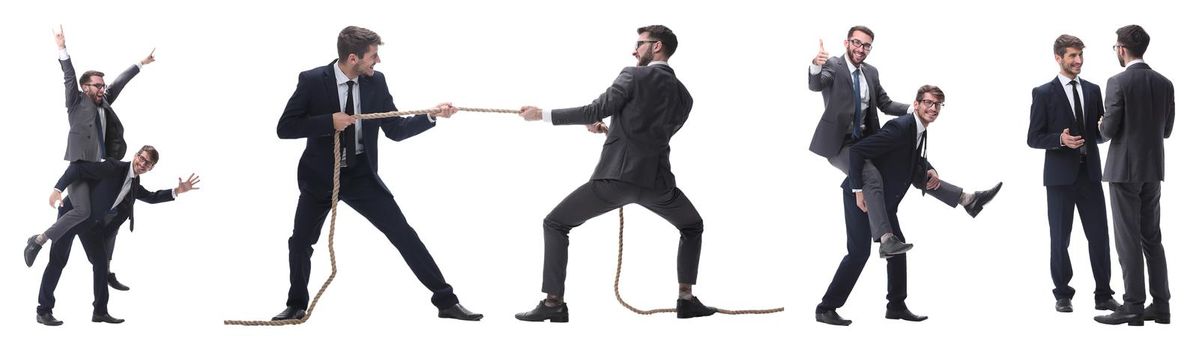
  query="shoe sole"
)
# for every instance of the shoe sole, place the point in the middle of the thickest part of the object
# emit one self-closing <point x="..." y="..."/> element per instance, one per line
<point x="551" y="319"/>
<point x="472" y="318"/>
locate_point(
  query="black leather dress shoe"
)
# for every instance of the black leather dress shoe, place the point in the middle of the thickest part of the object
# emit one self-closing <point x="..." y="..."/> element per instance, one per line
<point x="459" y="312"/>
<point x="1063" y="305"/>
<point x="981" y="198"/>
<point x="542" y="312"/>
<point x="48" y="319"/>
<point x="692" y="308"/>
<point x="904" y="314"/>
<point x="1121" y="317"/>
<point x="106" y="318"/>
<point x="115" y="284"/>
<point x="1152" y="313"/>
<point x="290" y="313"/>
<point x="31" y="249"/>
<point x="831" y="317"/>
<point x="1109" y="305"/>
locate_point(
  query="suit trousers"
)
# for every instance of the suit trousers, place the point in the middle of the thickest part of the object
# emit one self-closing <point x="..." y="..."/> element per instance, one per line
<point x="857" y="237"/>
<point x="872" y="189"/>
<point x="94" y="238"/>
<point x="81" y="192"/>
<point x="1087" y="196"/>
<point x="601" y="196"/>
<point x="361" y="189"/>
<point x="1136" y="220"/>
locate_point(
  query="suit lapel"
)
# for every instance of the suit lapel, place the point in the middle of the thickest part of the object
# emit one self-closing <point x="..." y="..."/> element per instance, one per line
<point x="366" y="94"/>
<point x="330" y="85"/>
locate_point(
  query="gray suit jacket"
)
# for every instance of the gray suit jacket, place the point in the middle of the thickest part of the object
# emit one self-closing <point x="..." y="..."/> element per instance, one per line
<point x="82" y="140"/>
<point x="648" y="105"/>
<point x="836" y="85"/>
<point x="1140" y="115"/>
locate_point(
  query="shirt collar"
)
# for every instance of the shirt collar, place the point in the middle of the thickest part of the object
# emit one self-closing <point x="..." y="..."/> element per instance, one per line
<point x="852" y="68"/>
<point x="1066" y="81"/>
<point x="919" y="125"/>
<point x="131" y="174"/>
<point x="657" y="63"/>
<point x="341" y="76"/>
<point x="1130" y="63"/>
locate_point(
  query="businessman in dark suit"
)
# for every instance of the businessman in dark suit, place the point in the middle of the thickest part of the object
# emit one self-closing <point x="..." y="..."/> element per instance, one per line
<point x="1139" y="116"/>
<point x="852" y="98"/>
<point x="96" y="133"/>
<point x="326" y="100"/>
<point x="898" y="150"/>
<point x="1064" y="121"/>
<point x="648" y="105"/>
<point x="115" y="186"/>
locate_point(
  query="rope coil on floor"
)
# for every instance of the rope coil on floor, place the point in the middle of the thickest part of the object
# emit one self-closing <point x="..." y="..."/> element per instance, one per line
<point x="333" y="215"/>
<point x="616" y="285"/>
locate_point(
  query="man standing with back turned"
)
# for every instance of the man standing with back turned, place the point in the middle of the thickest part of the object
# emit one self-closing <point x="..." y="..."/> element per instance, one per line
<point x="1140" y="115"/>
<point x="648" y="105"/>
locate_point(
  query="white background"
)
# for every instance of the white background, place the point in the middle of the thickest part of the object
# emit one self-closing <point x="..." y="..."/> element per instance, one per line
<point x="477" y="186"/>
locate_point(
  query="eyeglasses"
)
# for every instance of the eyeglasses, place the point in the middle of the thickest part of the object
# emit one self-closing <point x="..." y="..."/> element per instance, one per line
<point x="639" y="42"/>
<point x="859" y="44"/>
<point x="98" y="86"/>
<point x="146" y="161"/>
<point x="1116" y="47"/>
<point x="931" y="103"/>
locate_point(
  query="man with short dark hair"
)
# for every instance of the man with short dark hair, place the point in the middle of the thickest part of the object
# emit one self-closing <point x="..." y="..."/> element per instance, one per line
<point x="325" y="101"/>
<point x="95" y="134"/>
<point x="1139" y="116"/>
<point x="115" y="185"/>
<point x="852" y="99"/>
<point x="648" y="105"/>
<point x="1064" y="121"/>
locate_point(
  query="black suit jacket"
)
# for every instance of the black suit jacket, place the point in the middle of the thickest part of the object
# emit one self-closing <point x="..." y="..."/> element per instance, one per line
<point x="893" y="151"/>
<point x="1051" y="113"/>
<point x="309" y="114"/>
<point x="648" y="106"/>
<point x="1140" y="115"/>
<point x="835" y="84"/>
<point x="108" y="178"/>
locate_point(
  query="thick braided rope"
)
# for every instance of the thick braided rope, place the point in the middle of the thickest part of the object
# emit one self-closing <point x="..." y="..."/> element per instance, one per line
<point x="429" y="111"/>
<point x="616" y="284"/>
<point x="333" y="215"/>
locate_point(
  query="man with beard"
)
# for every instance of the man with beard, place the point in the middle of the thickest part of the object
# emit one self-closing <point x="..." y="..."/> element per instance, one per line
<point x="852" y="98"/>
<point x="1139" y="116"/>
<point x="1064" y="121"/>
<point x="648" y="105"/>
<point x="325" y="101"/>
<point x="96" y="134"/>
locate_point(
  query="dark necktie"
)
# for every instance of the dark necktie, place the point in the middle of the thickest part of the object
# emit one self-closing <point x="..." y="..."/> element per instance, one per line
<point x="100" y="134"/>
<point x="349" y="142"/>
<point x="1079" y="119"/>
<point x="129" y="199"/>
<point x="922" y="150"/>
<point x="857" y="105"/>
